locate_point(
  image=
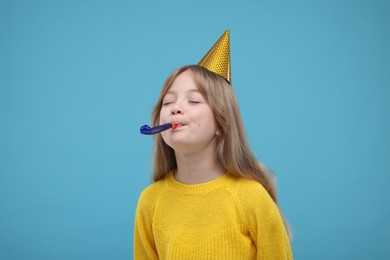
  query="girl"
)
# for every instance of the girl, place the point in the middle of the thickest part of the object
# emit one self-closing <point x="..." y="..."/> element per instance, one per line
<point x="210" y="199"/>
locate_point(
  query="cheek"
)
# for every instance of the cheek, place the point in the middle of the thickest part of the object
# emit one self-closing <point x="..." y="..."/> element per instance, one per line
<point x="162" y="116"/>
<point x="206" y="123"/>
<point x="200" y="122"/>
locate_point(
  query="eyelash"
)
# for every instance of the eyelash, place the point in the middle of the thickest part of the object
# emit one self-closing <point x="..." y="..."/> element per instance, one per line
<point x="191" y="102"/>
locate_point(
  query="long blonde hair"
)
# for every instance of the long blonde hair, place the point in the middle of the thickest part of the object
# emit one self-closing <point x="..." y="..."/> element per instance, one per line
<point x="233" y="152"/>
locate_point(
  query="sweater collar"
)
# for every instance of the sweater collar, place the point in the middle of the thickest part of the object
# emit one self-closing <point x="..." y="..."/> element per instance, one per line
<point x="197" y="188"/>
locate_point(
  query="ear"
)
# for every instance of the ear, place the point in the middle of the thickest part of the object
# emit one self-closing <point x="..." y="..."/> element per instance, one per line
<point x="217" y="132"/>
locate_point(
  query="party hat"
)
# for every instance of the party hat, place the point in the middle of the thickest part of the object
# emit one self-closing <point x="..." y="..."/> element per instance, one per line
<point x="217" y="58"/>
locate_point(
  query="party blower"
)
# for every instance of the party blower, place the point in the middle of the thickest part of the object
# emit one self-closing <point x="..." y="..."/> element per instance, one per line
<point x="147" y="130"/>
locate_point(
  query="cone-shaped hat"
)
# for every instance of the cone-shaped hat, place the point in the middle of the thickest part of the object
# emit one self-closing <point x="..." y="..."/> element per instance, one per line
<point x="217" y="59"/>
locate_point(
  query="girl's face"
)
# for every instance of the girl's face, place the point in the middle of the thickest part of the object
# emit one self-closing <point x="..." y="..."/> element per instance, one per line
<point x="184" y="104"/>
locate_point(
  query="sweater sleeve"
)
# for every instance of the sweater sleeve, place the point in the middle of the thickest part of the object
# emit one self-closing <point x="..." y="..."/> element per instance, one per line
<point x="266" y="225"/>
<point x="144" y="246"/>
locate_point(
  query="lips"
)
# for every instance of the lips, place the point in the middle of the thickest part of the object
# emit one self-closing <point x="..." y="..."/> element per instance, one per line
<point x="177" y="124"/>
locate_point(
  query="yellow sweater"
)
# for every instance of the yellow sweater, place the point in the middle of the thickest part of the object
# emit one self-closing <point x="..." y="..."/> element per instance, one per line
<point x="227" y="218"/>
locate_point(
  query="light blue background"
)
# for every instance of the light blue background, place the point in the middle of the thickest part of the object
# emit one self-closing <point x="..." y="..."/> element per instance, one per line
<point x="78" y="79"/>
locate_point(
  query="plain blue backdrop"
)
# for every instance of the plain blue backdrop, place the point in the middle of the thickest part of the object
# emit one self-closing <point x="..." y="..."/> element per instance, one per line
<point x="78" y="79"/>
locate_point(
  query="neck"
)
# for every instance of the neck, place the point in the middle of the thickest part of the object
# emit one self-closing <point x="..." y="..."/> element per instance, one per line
<point x="198" y="167"/>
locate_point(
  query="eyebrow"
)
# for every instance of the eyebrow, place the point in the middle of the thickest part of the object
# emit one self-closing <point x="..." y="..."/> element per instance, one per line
<point x="189" y="91"/>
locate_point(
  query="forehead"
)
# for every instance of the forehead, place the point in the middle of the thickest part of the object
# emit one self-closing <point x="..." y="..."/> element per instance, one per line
<point x="184" y="82"/>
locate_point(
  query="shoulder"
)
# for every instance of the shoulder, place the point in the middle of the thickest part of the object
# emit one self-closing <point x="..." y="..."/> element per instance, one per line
<point x="252" y="196"/>
<point x="149" y="196"/>
<point x="247" y="189"/>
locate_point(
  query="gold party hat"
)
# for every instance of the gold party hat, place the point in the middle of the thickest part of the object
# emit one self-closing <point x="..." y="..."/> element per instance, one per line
<point x="217" y="59"/>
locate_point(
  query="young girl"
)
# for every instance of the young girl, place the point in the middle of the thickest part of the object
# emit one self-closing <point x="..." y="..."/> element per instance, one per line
<point x="211" y="199"/>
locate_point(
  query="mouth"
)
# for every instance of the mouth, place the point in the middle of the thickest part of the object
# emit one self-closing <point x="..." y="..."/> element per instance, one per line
<point x="176" y="124"/>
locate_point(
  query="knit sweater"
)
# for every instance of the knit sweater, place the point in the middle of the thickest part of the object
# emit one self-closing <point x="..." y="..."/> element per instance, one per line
<point x="227" y="218"/>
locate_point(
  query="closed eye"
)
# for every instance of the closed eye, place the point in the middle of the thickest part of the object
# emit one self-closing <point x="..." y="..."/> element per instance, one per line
<point x="194" y="102"/>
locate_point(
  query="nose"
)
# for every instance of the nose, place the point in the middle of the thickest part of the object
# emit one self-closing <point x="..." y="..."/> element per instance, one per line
<point x="176" y="110"/>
